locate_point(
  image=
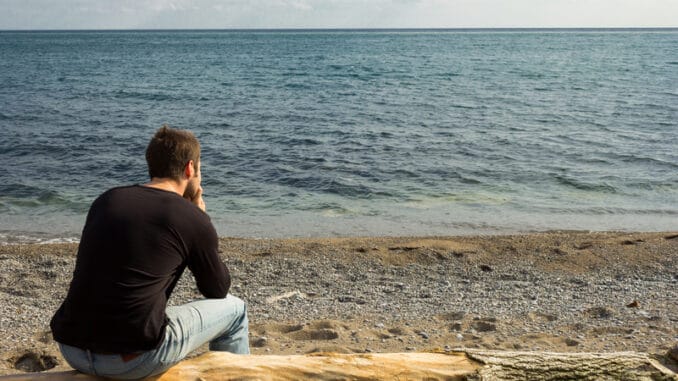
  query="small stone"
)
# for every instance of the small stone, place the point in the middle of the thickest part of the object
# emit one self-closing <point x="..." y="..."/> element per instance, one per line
<point x="410" y="348"/>
<point x="483" y="326"/>
<point x="485" y="268"/>
<point x="571" y="342"/>
<point x="633" y="304"/>
<point x="600" y="312"/>
<point x="260" y="342"/>
<point x="457" y="315"/>
<point x="460" y="337"/>
<point x="34" y="362"/>
<point x="559" y="251"/>
<point x="584" y="245"/>
<point x="455" y="327"/>
<point x="673" y="353"/>
<point x="423" y="334"/>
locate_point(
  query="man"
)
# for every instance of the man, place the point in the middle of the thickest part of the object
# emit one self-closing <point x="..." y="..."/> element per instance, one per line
<point x="135" y="245"/>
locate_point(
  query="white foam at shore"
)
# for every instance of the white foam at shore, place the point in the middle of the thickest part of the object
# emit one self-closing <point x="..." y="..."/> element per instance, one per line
<point x="20" y="239"/>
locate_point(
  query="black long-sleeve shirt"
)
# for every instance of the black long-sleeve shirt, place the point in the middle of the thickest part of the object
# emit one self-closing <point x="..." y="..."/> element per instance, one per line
<point x="135" y="245"/>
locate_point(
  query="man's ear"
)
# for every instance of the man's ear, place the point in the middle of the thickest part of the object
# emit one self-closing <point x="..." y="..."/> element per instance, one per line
<point x="189" y="169"/>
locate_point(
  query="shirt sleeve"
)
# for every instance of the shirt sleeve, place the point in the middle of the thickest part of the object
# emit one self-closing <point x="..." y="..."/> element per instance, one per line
<point x="211" y="274"/>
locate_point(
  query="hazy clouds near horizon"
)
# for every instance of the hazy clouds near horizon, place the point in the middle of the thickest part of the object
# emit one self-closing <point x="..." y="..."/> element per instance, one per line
<point x="217" y="14"/>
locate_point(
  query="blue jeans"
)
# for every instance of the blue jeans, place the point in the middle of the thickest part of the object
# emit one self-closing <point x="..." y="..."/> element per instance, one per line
<point x="221" y="322"/>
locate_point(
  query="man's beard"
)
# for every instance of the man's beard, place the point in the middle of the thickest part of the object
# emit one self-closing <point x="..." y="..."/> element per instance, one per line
<point x="191" y="189"/>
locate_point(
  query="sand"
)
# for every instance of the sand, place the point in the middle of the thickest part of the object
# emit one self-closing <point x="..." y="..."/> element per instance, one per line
<point x="556" y="291"/>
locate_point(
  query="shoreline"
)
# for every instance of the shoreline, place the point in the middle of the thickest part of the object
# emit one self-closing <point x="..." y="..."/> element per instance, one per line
<point x="561" y="291"/>
<point x="11" y="238"/>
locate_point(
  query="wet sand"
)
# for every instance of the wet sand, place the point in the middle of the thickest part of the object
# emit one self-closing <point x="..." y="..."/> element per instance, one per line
<point x="558" y="291"/>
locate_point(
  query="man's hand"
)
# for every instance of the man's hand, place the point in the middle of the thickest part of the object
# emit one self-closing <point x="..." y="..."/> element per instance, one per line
<point x="197" y="199"/>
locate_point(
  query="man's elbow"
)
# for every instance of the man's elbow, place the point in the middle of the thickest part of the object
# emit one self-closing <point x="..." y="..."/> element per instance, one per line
<point x="217" y="291"/>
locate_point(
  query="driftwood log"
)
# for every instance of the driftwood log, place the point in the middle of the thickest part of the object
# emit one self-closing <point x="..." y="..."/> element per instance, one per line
<point x="458" y="365"/>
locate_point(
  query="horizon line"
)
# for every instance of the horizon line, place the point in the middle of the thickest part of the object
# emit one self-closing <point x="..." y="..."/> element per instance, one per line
<point x="301" y="29"/>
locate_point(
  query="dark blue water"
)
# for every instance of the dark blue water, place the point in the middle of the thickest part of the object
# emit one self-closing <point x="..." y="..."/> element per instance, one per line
<point x="349" y="132"/>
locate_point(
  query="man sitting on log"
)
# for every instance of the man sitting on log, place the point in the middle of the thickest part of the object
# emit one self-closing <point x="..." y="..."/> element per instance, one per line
<point x="135" y="245"/>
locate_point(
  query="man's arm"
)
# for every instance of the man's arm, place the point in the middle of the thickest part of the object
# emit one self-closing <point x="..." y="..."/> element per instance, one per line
<point x="211" y="274"/>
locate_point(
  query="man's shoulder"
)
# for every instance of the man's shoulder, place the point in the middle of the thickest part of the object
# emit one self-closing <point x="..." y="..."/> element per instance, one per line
<point x="175" y="209"/>
<point x="139" y="196"/>
<point x="121" y="188"/>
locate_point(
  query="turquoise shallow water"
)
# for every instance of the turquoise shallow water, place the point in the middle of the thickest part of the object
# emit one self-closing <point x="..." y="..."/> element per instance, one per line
<point x="349" y="132"/>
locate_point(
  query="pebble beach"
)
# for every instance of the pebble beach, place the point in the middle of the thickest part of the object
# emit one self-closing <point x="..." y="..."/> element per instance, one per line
<point x="562" y="291"/>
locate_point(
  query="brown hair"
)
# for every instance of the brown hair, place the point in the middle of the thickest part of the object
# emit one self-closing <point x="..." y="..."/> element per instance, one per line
<point x="170" y="150"/>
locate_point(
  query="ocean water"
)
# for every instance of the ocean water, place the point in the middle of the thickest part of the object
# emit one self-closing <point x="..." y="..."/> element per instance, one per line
<point x="334" y="133"/>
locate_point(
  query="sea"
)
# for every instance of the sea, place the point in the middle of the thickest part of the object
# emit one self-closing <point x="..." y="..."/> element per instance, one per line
<point x="330" y="133"/>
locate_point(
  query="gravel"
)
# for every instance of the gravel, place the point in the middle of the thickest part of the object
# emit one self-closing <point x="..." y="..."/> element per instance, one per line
<point x="559" y="291"/>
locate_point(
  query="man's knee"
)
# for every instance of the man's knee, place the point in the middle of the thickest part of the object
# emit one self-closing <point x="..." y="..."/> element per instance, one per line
<point x="238" y="306"/>
<point x="238" y="303"/>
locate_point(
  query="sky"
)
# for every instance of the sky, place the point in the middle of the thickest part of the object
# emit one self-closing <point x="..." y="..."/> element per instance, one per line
<point x="230" y="14"/>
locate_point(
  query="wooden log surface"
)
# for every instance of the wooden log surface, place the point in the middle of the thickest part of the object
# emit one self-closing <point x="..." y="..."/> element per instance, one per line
<point x="502" y="365"/>
<point x="458" y="365"/>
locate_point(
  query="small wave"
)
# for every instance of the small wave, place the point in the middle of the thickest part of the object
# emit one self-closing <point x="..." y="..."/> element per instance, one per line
<point x="25" y="191"/>
<point x="295" y="74"/>
<point x="123" y="94"/>
<point x="461" y="106"/>
<point x="301" y="86"/>
<point x="611" y="210"/>
<point x="301" y="142"/>
<point x="401" y="173"/>
<point x="627" y="158"/>
<point x="334" y="212"/>
<point x="468" y="198"/>
<point x="327" y="185"/>
<point x="330" y="209"/>
<point x="582" y="185"/>
<point x="24" y="196"/>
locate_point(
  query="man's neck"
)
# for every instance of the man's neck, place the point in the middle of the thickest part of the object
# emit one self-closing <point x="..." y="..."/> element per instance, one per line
<point x="167" y="184"/>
